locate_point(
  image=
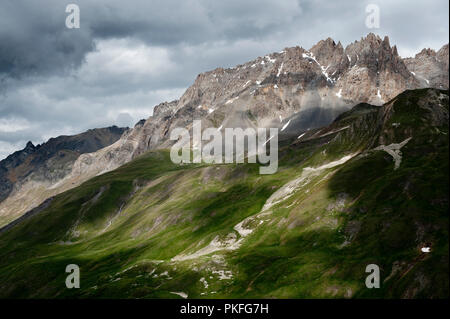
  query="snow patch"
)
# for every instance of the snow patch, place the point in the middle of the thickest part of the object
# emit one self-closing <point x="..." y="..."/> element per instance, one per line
<point x="268" y="140"/>
<point x="232" y="100"/>
<point x="309" y="55"/>
<point x="223" y="274"/>
<point x="280" y="69"/>
<point x="300" y="136"/>
<point x="394" y="150"/>
<point x="335" y="131"/>
<point x="285" y="125"/>
<point x="270" y="59"/>
<point x="181" y="294"/>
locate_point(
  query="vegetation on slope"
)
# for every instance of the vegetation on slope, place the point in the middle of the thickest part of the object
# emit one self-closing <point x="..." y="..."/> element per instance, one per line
<point x="152" y="228"/>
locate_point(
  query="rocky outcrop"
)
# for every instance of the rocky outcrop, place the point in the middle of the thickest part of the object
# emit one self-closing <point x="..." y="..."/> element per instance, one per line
<point x="309" y="87"/>
<point x="376" y="71"/>
<point x="430" y="68"/>
<point x="45" y="165"/>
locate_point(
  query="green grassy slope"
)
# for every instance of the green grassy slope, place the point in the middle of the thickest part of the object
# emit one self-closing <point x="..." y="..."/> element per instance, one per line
<point x="152" y="228"/>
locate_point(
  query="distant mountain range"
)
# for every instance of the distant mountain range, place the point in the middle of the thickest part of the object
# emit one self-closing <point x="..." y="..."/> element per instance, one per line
<point x="30" y="172"/>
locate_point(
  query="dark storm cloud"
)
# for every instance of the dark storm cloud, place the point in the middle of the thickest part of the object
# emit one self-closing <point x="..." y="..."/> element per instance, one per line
<point x="130" y="55"/>
<point x="33" y="40"/>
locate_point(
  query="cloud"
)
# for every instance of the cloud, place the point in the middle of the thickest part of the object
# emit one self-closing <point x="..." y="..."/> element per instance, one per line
<point x="124" y="119"/>
<point x="35" y="41"/>
<point x="130" y="55"/>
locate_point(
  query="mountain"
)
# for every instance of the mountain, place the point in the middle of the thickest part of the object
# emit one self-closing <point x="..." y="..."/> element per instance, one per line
<point x="310" y="87"/>
<point x="27" y="173"/>
<point x="370" y="188"/>
<point x="295" y="88"/>
<point x="427" y="66"/>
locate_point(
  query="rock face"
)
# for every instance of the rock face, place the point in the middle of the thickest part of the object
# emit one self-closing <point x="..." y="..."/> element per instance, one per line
<point x="293" y="88"/>
<point x="47" y="164"/>
<point x="314" y="86"/>
<point x="430" y="67"/>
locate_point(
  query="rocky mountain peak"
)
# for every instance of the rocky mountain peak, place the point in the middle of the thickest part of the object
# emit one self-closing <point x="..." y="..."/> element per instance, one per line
<point x="443" y="52"/>
<point x="394" y="50"/>
<point x="29" y="147"/>
<point x="426" y="52"/>
<point x="385" y="42"/>
<point x="140" y="123"/>
<point x="328" y="50"/>
<point x="375" y="53"/>
<point x="430" y="68"/>
<point x="165" y="108"/>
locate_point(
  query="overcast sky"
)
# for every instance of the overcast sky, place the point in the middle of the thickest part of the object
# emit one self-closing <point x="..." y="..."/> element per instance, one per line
<point x="128" y="56"/>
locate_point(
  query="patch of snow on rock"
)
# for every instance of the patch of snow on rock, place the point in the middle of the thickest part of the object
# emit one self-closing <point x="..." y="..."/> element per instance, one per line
<point x="270" y="59"/>
<point x="181" y="294"/>
<point x="280" y="69"/>
<point x="223" y="274"/>
<point x="232" y="100"/>
<point x="285" y="125"/>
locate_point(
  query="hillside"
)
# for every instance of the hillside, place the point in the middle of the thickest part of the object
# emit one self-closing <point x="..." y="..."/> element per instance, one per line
<point x="26" y="175"/>
<point x="371" y="187"/>
<point x="297" y="89"/>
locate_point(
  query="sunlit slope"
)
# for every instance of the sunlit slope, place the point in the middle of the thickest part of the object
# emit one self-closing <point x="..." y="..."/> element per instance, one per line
<point x="153" y="229"/>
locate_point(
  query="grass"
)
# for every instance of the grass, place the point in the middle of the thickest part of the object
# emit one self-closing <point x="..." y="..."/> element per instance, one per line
<point x="315" y="243"/>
